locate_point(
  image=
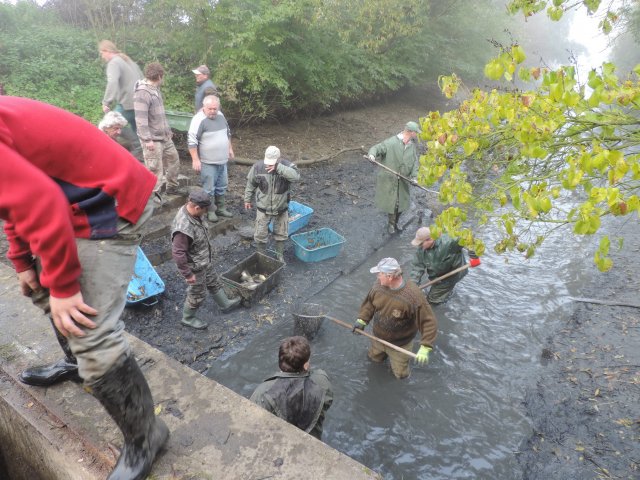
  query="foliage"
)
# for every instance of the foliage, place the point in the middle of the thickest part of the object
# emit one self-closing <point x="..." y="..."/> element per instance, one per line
<point x="558" y="154"/>
<point x="41" y="62"/>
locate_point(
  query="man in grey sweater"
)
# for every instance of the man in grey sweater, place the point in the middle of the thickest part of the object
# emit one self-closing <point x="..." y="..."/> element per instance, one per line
<point x="160" y="154"/>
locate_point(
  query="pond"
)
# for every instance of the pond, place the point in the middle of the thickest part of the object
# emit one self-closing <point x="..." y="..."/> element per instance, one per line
<point x="463" y="415"/>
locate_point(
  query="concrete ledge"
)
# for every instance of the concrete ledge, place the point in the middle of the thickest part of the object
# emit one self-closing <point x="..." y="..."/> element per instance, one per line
<point x="215" y="433"/>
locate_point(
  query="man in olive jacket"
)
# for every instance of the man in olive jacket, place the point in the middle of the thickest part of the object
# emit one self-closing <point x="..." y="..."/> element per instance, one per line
<point x="298" y="394"/>
<point x="270" y="180"/>
<point x="437" y="258"/>
<point x="400" y="154"/>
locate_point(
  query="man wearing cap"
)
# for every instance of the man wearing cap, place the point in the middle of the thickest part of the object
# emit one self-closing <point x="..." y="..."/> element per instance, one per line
<point x="400" y="154"/>
<point x="209" y="142"/>
<point x="437" y="258"/>
<point x="204" y="85"/>
<point x="160" y="154"/>
<point x="398" y="310"/>
<point x="270" y="180"/>
<point x="191" y="250"/>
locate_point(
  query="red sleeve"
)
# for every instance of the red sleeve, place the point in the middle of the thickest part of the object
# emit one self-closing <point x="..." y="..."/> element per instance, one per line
<point x="37" y="221"/>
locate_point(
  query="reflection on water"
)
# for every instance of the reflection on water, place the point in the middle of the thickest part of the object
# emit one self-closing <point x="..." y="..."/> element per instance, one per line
<point x="462" y="415"/>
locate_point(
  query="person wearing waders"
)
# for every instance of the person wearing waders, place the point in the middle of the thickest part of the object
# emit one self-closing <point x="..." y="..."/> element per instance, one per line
<point x="270" y="180"/>
<point x="398" y="310"/>
<point x="73" y="202"/>
<point x="298" y="394"/>
<point x="400" y="154"/>
<point x="193" y="255"/>
<point x="437" y="258"/>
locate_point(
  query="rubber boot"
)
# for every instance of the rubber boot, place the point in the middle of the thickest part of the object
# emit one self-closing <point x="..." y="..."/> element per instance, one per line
<point x="46" y="375"/>
<point x="391" y="226"/>
<point x="124" y="393"/>
<point x="211" y="213"/>
<point x="221" y="211"/>
<point x="190" y="320"/>
<point x="279" y="251"/>
<point x="225" y="303"/>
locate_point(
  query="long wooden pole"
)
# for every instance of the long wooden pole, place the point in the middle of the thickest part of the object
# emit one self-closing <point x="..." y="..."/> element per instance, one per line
<point x="446" y="275"/>
<point x="415" y="184"/>
<point x="372" y="337"/>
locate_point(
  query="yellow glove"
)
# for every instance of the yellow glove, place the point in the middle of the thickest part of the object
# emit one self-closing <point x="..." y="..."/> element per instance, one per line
<point x="422" y="357"/>
<point x="359" y="325"/>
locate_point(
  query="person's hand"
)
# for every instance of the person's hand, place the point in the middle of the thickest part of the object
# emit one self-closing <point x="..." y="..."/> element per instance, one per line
<point x="247" y="205"/>
<point x="422" y="357"/>
<point x="68" y="313"/>
<point x="196" y="164"/>
<point x="191" y="279"/>
<point x="271" y="168"/>
<point x="359" y="325"/>
<point x="29" y="282"/>
<point x="105" y="109"/>
<point x="474" y="260"/>
<point x="150" y="145"/>
<point x="371" y="158"/>
<point x="414" y="181"/>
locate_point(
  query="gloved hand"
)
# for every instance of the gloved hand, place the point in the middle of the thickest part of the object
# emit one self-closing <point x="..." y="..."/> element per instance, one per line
<point x="422" y="357"/>
<point x="360" y="324"/>
<point x="371" y="158"/>
<point x="474" y="260"/>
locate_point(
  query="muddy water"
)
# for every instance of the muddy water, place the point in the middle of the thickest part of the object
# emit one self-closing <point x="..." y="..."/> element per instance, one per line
<point x="462" y="416"/>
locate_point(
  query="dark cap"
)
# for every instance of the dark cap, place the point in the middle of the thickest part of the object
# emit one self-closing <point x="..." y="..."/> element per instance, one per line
<point x="200" y="198"/>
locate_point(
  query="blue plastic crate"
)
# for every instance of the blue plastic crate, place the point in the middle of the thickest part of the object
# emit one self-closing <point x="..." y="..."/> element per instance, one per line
<point x="317" y="245"/>
<point x="145" y="284"/>
<point x="301" y="214"/>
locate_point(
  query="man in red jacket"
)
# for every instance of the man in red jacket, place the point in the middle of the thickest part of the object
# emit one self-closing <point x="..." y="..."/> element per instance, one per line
<point x="73" y="201"/>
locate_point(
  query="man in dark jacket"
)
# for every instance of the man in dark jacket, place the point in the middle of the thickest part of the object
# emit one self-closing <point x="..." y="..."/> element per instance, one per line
<point x="398" y="310"/>
<point x="297" y="394"/>
<point x="193" y="255"/>
<point x="437" y="258"/>
<point x="270" y="180"/>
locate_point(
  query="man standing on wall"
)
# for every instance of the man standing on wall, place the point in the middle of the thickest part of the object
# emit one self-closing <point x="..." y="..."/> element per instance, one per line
<point x="122" y="75"/>
<point x="73" y="202"/>
<point x="204" y="85"/>
<point x="160" y="154"/>
<point x="209" y="141"/>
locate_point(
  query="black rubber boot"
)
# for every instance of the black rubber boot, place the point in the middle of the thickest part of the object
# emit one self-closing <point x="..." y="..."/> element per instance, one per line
<point x="47" y="375"/>
<point x="125" y="394"/>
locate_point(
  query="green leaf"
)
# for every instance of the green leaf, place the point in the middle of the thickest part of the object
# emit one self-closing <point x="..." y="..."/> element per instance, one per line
<point x="518" y="54"/>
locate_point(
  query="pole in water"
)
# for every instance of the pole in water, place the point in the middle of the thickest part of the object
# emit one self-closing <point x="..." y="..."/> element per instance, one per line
<point x="307" y="320"/>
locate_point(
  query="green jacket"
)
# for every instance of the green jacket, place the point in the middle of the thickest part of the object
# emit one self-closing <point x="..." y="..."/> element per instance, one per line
<point x="271" y="189"/>
<point x="390" y="189"/>
<point x="445" y="255"/>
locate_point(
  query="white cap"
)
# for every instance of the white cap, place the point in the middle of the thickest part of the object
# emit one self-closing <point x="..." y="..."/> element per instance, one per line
<point x="386" y="265"/>
<point x="271" y="155"/>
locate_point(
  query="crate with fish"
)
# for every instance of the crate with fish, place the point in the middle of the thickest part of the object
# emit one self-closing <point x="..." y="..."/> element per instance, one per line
<point x="145" y="285"/>
<point x="253" y="277"/>
<point x="299" y="216"/>
<point x="317" y="245"/>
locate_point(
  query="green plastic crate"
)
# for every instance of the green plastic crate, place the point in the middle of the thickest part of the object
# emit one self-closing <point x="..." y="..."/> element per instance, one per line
<point x="179" y="120"/>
